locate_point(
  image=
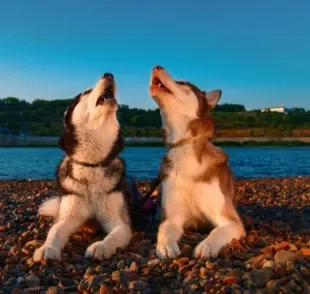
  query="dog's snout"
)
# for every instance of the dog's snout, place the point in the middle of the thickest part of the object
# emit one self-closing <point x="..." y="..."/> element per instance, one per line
<point x="157" y="67"/>
<point x="108" y="75"/>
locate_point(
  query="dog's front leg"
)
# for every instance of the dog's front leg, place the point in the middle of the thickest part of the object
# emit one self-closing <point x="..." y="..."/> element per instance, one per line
<point x="174" y="214"/>
<point x="72" y="214"/>
<point x="113" y="217"/>
<point x="228" y="225"/>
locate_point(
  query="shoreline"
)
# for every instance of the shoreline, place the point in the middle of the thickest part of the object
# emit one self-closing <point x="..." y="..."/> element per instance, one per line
<point x="158" y="142"/>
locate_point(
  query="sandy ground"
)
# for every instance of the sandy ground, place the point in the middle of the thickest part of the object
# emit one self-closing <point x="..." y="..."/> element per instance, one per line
<point x="273" y="258"/>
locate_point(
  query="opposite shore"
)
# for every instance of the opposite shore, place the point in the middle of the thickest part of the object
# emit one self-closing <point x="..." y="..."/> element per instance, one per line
<point x="36" y="141"/>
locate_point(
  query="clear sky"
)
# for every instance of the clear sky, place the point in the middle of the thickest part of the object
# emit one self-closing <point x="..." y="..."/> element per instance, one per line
<point x="257" y="52"/>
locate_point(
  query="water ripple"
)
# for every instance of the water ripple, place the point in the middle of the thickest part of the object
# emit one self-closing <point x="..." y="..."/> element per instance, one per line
<point x="143" y="162"/>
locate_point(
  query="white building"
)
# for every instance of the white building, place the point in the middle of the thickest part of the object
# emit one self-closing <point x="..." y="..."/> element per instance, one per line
<point x="281" y="109"/>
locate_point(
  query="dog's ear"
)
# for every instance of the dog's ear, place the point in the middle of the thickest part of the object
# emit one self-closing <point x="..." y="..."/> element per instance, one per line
<point x="68" y="112"/>
<point x="68" y="142"/>
<point x="213" y="97"/>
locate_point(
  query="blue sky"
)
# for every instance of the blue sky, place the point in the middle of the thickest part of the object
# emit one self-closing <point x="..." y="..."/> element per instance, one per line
<point x="257" y="52"/>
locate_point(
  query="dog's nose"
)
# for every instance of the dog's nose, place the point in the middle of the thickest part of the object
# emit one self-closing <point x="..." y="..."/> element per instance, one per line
<point x="108" y="75"/>
<point x="157" y="67"/>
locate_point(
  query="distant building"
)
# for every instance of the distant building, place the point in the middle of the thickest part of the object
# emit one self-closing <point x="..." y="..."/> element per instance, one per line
<point x="281" y="109"/>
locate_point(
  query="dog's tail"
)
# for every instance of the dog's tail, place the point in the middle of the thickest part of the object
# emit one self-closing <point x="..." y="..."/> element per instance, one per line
<point x="50" y="207"/>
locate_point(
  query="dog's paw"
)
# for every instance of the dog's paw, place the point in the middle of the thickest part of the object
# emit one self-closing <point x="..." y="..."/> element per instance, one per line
<point x="100" y="250"/>
<point x="47" y="253"/>
<point x="207" y="248"/>
<point x="165" y="250"/>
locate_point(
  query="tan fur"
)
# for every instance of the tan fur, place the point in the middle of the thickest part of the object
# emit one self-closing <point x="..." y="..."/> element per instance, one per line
<point x="197" y="183"/>
<point x="202" y="127"/>
<point x="165" y="168"/>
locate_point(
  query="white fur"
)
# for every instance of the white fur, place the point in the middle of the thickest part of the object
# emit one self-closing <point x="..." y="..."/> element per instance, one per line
<point x="50" y="207"/>
<point x="183" y="198"/>
<point x="71" y="216"/>
<point x="109" y="214"/>
<point x="90" y="188"/>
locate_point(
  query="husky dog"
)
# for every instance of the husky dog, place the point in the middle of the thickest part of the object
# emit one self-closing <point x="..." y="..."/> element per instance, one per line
<point x="197" y="184"/>
<point x="91" y="177"/>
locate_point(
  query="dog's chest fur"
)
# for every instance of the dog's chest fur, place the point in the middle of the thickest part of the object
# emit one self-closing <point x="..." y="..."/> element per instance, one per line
<point x="187" y="176"/>
<point x="90" y="182"/>
<point x="191" y="163"/>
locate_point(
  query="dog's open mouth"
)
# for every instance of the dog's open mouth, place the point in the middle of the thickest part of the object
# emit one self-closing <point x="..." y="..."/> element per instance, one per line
<point x="157" y="83"/>
<point x="107" y="94"/>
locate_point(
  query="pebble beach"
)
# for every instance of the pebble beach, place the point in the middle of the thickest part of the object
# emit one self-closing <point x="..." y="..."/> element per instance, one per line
<point x="274" y="257"/>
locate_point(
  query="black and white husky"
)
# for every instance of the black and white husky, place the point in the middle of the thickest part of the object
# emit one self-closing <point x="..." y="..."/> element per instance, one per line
<point x="91" y="177"/>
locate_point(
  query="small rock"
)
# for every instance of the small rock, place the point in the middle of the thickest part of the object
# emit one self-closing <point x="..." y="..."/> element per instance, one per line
<point x="259" y="278"/>
<point x="225" y="263"/>
<point x="72" y="288"/>
<point x="94" y="281"/>
<point x="238" y="263"/>
<point x="103" y="269"/>
<point x="274" y="284"/>
<point x="256" y="261"/>
<point x="10" y="282"/>
<point x="236" y="273"/>
<point x="65" y="283"/>
<point x="83" y="285"/>
<point x="181" y="261"/>
<point x="187" y="251"/>
<point x="243" y="256"/>
<point x="121" y="265"/>
<point x="262" y="243"/>
<point x="133" y="266"/>
<point x="292" y="247"/>
<point x="89" y="272"/>
<point x="279" y="272"/>
<point x="231" y="280"/>
<point x="152" y="263"/>
<point x="211" y="265"/>
<point x="104" y="289"/>
<point x="3" y="228"/>
<point x="170" y="275"/>
<point x="283" y="256"/>
<point x="137" y="285"/>
<point x="184" y="269"/>
<point x="305" y="251"/>
<point x="203" y="272"/>
<point x="33" y="290"/>
<point x="123" y="277"/>
<point x="55" y="290"/>
<point x="20" y="280"/>
<point x="33" y="280"/>
<point x="17" y="291"/>
<point x="269" y="263"/>
<point x="30" y="261"/>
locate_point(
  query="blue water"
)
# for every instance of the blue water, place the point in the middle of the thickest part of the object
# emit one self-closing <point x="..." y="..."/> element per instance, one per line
<point x="143" y="162"/>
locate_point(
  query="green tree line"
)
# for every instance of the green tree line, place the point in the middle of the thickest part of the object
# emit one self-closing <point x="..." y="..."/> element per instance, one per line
<point x="45" y="118"/>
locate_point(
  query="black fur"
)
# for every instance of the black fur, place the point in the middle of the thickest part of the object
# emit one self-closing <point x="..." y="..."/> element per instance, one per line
<point x="68" y="141"/>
